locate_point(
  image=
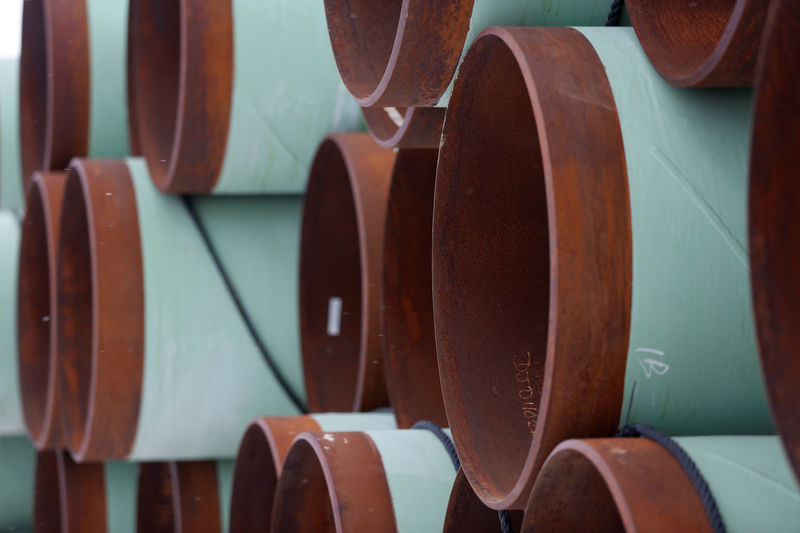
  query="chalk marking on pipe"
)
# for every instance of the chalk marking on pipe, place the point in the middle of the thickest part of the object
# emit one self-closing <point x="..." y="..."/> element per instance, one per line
<point x="395" y="115"/>
<point x="334" y="316"/>
<point x="653" y="366"/>
<point x="650" y="350"/>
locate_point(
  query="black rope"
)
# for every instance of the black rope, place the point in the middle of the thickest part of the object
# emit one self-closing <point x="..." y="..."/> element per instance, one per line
<point x="699" y="482"/>
<point x="615" y="12"/>
<point x="447" y="442"/>
<point x="284" y="383"/>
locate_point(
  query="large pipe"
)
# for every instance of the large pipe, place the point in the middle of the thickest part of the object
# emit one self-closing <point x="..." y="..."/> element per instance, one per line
<point x="405" y="127"/>
<point x="232" y="95"/>
<point x="605" y="485"/>
<point x="36" y="309"/>
<point x="364" y="481"/>
<point x="578" y="284"/>
<point x="83" y="498"/>
<point x="412" y="372"/>
<point x="713" y="43"/>
<point x="466" y="513"/>
<point x="11" y="196"/>
<point x="73" y="82"/>
<point x="406" y="52"/>
<point x="773" y="210"/>
<point x="11" y="418"/>
<point x="261" y="454"/>
<point x="17" y="473"/>
<point x="183" y="497"/>
<point x="341" y="264"/>
<point x="155" y="359"/>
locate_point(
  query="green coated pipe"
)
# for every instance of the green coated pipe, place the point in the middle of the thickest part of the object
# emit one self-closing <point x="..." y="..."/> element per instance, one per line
<point x="196" y="375"/>
<point x="17" y="473"/>
<point x="254" y="88"/>
<point x="11" y="420"/>
<point x="11" y="196"/>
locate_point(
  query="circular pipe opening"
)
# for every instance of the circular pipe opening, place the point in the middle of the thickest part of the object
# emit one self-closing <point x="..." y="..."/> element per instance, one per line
<point x="47" y="496"/>
<point x="254" y="481"/>
<point x="35" y="128"/>
<point x="156" y="498"/>
<point x="412" y="372"/>
<point x="466" y="513"/>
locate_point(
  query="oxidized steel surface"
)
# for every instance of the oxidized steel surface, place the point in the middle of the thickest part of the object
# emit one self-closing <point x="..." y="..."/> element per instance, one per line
<point x="405" y="127"/>
<point x="466" y="513"/>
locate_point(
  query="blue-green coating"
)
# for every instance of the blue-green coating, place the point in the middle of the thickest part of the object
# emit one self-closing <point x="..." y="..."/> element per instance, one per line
<point x="287" y="96"/>
<point x="11" y="195"/>
<point x="225" y="488"/>
<point x="121" y="489"/>
<point x="11" y="421"/>
<point x="108" y="79"/>
<point x="420" y="475"/>
<point x="204" y="379"/>
<point x="751" y="480"/>
<point x="17" y="479"/>
<point x="692" y="354"/>
<point x="354" y="421"/>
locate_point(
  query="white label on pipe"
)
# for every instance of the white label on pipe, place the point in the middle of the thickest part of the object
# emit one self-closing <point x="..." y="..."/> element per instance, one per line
<point x="395" y="115"/>
<point x="334" y="316"/>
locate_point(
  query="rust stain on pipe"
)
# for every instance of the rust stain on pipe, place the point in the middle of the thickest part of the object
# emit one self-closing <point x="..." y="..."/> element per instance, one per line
<point x="466" y="513"/>
<point x="341" y="264"/>
<point x="405" y="127"/>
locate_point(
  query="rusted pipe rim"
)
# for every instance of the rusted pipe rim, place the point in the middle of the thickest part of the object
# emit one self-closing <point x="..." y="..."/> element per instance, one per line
<point x="397" y="52"/>
<point x="54" y="85"/>
<point x="341" y="252"/>
<point x="36" y="306"/>
<point x="258" y="466"/>
<point x="412" y="373"/>
<point x="774" y="241"/>
<point x="100" y="318"/>
<point x="405" y="127"/>
<point x="531" y="256"/>
<point x="178" y="497"/>
<point x="47" y="499"/>
<point x="713" y="43"/>
<point x="181" y="81"/>
<point x="602" y="485"/>
<point x="333" y="482"/>
<point x="466" y="513"/>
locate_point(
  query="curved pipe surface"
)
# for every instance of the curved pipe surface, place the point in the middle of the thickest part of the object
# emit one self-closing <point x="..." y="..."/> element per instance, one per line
<point x="18" y="465"/>
<point x="341" y="264"/>
<point x="405" y="127"/>
<point x="11" y="186"/>
<point x="466" y="512"/>
<point x="571" y="279"/>
<point x="11" y="412"/>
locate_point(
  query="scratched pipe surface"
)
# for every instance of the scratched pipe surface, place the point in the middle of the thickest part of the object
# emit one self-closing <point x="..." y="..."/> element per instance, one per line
<point x="73" y="82"/>
<point x="406" y="52"/>
<point x="467" y="513"/>
<point x="231" y="96"/>
<point x="84" y="498"/>
<point x="11" y="196"/>
<point x="261" y="454"/>
<point x="17" y="465"/>
<point x="171" y="372"/>
<point x="405" y="127"/>
<point x="605" y="485"/>
<point x="599" y="274"/>
<point x="774" y="197"/>
<point x="389" y="481"/>
<point x="11" y="418"/>
<point x="713" y="43"/>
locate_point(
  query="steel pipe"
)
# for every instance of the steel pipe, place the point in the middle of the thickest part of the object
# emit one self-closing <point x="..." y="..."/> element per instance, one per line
<point x="155" y="361"/>
<point x="774" y="200"/>
<point x="262" y="452"/>
<point x="17" y="464"/>
<point x="36" y="309"/>
<point x="412" y="373"/>
<point x="406" y="52"/>
<point x="600" y="485"/>
<point x="341" y="264"/>
<point x="405" y="127"/>
<point x="713" y="43"/>
<point x="11" y="196"/>
<point x="364" y="481"/>
<point x="83" y="498"/>
<point x="11" y="419"/>
<point x="73" y="82"/>
<point x="229" y="101"/>
<point x="466" y="512"/>
<point x="581" y="284"/>
<point x="183" y="497"/>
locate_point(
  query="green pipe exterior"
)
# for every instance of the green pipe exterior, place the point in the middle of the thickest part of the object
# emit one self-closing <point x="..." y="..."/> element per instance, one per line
<point x="420" y="475"/>
<point x="224" y="487"/>
<point x="11" y="420"/>
<point x="486" y="13"/>
<point x="692" y="353"/>
<point x="108" y="78"/>
<point x="17" y="479"/>
<point x="121" y="479"/>
<point x="204" y="378"/>
<point x="333" y="422"/>
<point x="751" y="481"/>
<point x="11" y="195"/>
<point x="276" y="122"/>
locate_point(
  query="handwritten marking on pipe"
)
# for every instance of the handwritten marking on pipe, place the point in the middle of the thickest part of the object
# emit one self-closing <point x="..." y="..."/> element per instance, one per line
<point x="526" y="391"/>
<point x="334" y="316"/>
<point x="395" y="115"/>
<point x="652" y="366"/>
